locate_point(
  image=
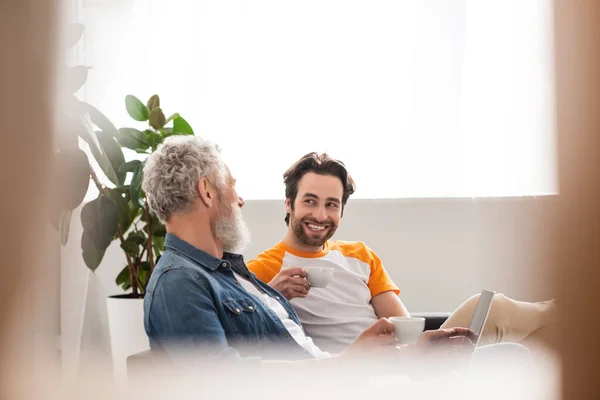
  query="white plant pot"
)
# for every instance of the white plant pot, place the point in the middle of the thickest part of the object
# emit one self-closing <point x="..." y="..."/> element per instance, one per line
<point x="127" y="334"/>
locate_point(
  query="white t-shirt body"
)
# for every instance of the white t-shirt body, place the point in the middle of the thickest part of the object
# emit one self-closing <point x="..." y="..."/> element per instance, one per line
<point x="293" y="328"/>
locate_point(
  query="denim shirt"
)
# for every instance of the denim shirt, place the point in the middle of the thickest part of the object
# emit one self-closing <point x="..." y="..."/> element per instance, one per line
<point x="194" y="306"/>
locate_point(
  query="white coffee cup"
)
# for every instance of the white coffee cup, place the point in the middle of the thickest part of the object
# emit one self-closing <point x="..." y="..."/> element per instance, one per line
<point x="407" y="330"/>
<point x="319" y="277"/>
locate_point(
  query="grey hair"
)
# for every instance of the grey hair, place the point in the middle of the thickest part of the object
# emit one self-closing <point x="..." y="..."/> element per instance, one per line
<point x="172" y="172"/>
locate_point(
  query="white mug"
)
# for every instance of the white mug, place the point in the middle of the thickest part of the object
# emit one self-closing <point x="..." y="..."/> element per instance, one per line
<point x="319" y="277"/>
<point x="407" y="330"/>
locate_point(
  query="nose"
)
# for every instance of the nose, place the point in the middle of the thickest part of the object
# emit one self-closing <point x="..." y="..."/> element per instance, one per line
<point x="321" y="214"/>
<point x="241" y="201"/>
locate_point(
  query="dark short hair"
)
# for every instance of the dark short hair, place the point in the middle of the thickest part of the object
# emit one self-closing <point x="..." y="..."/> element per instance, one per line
<point x="320" y="164"/>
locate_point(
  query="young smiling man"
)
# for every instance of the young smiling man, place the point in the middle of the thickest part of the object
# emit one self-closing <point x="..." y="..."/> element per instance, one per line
<point x="317" y="188"/>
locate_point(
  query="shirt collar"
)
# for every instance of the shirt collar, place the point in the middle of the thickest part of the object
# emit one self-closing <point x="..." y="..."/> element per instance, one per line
<point x="199" y="256"/>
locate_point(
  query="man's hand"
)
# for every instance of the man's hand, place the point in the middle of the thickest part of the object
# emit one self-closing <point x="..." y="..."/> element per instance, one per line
<point x="443" y="343"/>
<point x="377" y="341"/>
<point x="290" y="283"/>
<point x="452" y="336"/>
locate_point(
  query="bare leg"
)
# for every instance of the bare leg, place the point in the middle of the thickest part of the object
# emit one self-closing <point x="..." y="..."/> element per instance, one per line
<point x="509" y="320"/>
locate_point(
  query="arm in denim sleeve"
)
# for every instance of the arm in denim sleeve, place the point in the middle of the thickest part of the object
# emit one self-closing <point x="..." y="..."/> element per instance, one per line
<point x="184" y="319"/>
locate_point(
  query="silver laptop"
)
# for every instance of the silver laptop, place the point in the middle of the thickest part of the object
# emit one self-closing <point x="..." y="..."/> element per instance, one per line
<point x="480" y="315"/>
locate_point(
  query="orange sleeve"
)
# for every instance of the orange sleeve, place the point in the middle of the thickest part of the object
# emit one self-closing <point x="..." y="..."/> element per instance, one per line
<point x="379" y="281"/>
<point x="267" y="264"/>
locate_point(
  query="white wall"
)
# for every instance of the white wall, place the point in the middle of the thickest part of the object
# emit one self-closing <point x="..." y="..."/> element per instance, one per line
<point x="439" y="251"/>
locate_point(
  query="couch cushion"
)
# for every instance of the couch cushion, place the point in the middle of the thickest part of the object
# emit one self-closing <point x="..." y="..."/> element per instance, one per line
<point x="433" y="320"/>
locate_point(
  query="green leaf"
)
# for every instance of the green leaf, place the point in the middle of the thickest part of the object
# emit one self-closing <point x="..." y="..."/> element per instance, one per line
<point x="157" y="118"/>
<point x="123" y="279"/>
<point x="122" y="203"/>
<point x="134" y="209"/>
<point x="123" y="276"/>
<point x="72" y="177"/>
<point x="137" y="237"/>
<point x="104" y="163"/>
<point x="122" y="189"/>
<point x="80" y="124"/>
<point x="74" y="32"/>
<point x="154" y="139"/>
<point x="133" y="139"/>
<point x="153" y="102"/>
<point x="131" y="248"/>
<point x="181" y="126"/>
<point x="76" y="77"/>
<point x="158" y="242"/>
<point x="99" y="119"/>
<point x="157" y="252"/>
<point x="91" y="255"/>
<point x="135" y="187"/>
<point x="158" y="229"/>
<point x="172" y="117"/>
<point x="114" y="156"/>
<point x="100" y="220"/>
<point x="100" y="153"/>
<point x="145" y="265"/>
<point x="143" y="274"/>
<point x="129" y="166"/>
<point x="136" y="109"/>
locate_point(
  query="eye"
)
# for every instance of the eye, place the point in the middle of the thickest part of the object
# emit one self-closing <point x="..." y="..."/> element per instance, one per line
<point x="309" y="201"/>
<point x="333" y="205"/>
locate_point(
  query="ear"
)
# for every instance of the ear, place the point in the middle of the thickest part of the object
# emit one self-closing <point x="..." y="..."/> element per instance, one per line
<point x="288" y="206"/>
<point x="206" y="192"/>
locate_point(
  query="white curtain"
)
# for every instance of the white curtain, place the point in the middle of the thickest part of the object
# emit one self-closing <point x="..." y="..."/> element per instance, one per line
<point x="437" y="98"/>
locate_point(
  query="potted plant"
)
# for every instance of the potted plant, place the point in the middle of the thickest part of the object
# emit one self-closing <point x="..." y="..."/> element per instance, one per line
<point x="120" y="212"/>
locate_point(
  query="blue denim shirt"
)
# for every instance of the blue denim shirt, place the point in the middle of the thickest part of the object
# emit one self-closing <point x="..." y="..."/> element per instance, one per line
<point x="195" y="306"/>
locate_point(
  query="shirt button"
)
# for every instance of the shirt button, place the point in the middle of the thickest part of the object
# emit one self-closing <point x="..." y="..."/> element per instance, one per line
<point x="264" y="304"/>
<point x="224" y="265"/>
<point x="250" y="308"/>
<point x="237" y="310"/>
<point x="277" y="297"/>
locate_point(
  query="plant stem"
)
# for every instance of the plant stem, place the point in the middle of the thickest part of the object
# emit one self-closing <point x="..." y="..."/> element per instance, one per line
<point x="149" y="228"/>
<point x="137" y="275"/>
<point x="132" y="274"/>
<point x="143" y="253"/>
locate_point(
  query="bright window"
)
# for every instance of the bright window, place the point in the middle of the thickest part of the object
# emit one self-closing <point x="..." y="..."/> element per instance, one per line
<point x="418" y="98"/>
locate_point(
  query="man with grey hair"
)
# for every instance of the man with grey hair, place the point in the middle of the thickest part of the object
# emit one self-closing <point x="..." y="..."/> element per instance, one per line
<point x="201" y="299"/>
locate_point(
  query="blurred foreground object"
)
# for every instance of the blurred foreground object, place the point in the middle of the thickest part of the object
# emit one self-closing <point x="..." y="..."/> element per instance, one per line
<point x="30" y="263"/>
<point x="577" y="235"/>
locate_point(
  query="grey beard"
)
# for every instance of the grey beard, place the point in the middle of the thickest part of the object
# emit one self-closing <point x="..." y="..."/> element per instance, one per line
<point x="231" y="230"/>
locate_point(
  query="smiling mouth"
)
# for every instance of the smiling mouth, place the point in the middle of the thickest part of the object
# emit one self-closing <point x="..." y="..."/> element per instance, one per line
<point x="316" y="227"/>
